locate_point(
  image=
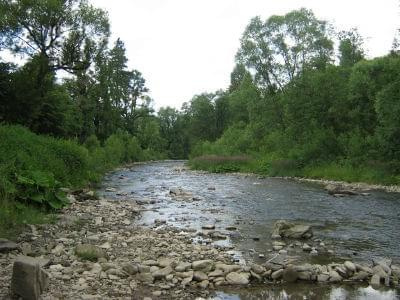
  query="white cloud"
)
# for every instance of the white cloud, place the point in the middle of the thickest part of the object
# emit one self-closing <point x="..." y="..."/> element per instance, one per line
<point x="184" y="47"/>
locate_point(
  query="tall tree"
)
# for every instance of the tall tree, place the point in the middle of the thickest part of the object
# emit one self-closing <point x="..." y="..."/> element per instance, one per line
<point x="350" y="47"/>
<point x="279" y="48"/>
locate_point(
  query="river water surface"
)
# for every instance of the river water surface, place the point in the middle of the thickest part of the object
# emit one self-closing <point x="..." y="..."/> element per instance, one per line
<point x="352" y="227"/>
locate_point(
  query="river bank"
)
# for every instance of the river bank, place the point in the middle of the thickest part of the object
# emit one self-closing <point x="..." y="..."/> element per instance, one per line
<point x="160" y="260"/>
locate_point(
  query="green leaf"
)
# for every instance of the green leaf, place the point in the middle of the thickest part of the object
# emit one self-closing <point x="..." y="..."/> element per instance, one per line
<point x="24" y="180"/>
<point x="38" y="198"/>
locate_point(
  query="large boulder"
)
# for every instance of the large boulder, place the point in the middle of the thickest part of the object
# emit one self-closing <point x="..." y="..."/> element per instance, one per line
<point x="28" y="279"/>
<point x="285" y="229"/>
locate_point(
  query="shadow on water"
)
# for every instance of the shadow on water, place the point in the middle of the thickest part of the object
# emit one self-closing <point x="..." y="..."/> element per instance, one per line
<point x="353" y="227"/>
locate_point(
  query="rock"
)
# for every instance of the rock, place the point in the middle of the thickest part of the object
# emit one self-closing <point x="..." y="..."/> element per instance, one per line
<point x="199" y="276"/>
<point x="288" y="230"/>
<point x="360" y="276"/>
<point x="231" y="228"/>
<point x="203" y="284"/>
<point x="26" y="248"/>
<point x="339" y="190"/>
<point x="334" y="276"/>
<point x="350" y="266"/>
<point x="130" y="268"/>
<point x="208" y="227"/>
<point x="145" y="277"/>
<point x="306" y="247"/>
<point x="7" y="246"/>
<point x="187" y="280"/>
<point x="323" y="277"/>
<point x="183" y="266"/>
<point x="314" y="252"/>
<point x="237" y="278"/>
<point x="157" y="293"/>
<point x="206" y="265"/>
<point x="89" y="251"/>
<point x="290" y="274"/>
<point x="277" y="274"/>
<point x="375" y="280"/>
<point x="257" y="268"/>
<point x="150" y="262"/>
<point x="161" y="273"/>
<point x="228" y="268"/>
<point x="165" y="262"/>
<point x="28" y="279"/>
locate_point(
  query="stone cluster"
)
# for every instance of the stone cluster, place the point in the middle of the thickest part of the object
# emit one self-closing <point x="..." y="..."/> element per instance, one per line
<point x="95" y="251"/>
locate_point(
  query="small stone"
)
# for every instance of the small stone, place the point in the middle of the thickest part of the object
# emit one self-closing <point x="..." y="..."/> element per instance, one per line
<point x="350" y="266"/>
<point x="334" y="276"/>
<point x="157" y="293"/>
<point x="199" y="276"/>
<point x="90" y="251"/>
<point x="208" y="227"/>
<point x="161" y="273"/>
<point x="290" y="275"/>
<point x="130" y="268"/>
<point x="237" y="278"/>
<point x="183" y="266"/>
<point x="277" y="274"/>
<point x="203" y="284"/>
<point x="203" y="265"/>
<point x="306" y="247"/>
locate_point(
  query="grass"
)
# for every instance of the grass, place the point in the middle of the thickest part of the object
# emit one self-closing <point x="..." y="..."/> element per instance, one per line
<point x="371" y="172"/>
<point x="14" y="218"/>
<point x="221" y="164"/>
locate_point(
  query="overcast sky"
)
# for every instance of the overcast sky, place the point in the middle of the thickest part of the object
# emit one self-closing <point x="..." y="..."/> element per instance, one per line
<point x="186" y="47"/>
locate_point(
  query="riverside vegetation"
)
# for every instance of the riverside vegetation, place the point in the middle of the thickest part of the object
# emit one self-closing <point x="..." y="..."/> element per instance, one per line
<point x="313" y="106"/>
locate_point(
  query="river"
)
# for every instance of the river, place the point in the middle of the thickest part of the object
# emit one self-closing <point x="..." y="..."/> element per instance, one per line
<point x="357" y="228"/>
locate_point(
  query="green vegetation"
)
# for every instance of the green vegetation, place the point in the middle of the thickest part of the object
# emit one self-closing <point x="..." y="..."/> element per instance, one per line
<point x="298" y="104"/>
<point x="298" y="111"/>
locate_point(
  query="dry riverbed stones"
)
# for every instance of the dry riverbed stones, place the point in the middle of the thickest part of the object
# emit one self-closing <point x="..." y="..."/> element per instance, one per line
<point x="94" y="253"/>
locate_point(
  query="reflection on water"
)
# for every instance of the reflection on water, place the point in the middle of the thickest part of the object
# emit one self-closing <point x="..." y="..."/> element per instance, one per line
<point x="356" y="227"/>
<point x="309" y="291"/>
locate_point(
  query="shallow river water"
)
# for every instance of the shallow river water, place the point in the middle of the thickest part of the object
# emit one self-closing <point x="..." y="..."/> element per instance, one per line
<point x="353" y="227"/>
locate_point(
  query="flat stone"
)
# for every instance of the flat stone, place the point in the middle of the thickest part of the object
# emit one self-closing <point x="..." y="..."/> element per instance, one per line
<point x="162" y="273"/>
<point x="206" y="265"/>
<point x="237" y="278"/>
<point x="183" y="266"/>
<point x="360" y="276"/>
<point x="208" y="227"/>
<point x="7" y="246"/>
<point x="131" y="269"/>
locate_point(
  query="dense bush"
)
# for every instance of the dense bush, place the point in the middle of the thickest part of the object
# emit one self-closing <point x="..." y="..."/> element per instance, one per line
<point x="33" y="168"/>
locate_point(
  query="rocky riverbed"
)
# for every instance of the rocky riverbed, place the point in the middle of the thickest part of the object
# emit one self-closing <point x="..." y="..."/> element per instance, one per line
<point x="126" y="261"/>
<point x="98" y="250"/>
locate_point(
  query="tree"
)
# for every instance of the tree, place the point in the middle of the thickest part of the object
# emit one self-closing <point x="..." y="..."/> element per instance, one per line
<point x="64" y="32"/>
<point x="350" y="47"/>
<point x="279" y="48"/>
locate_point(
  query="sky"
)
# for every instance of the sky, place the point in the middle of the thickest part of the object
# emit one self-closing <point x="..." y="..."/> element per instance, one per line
<point x="187" y="47"/>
